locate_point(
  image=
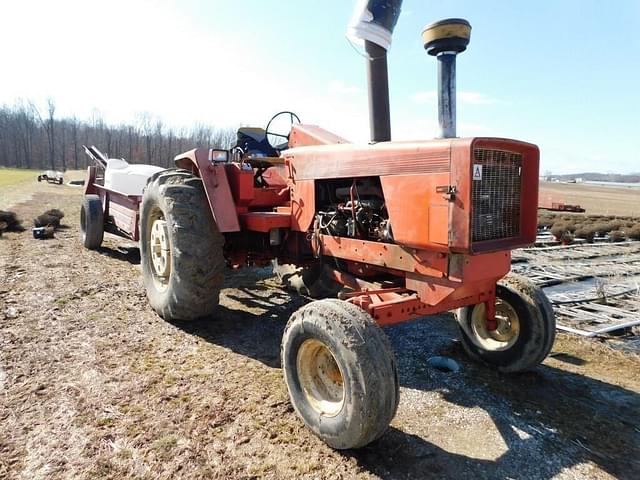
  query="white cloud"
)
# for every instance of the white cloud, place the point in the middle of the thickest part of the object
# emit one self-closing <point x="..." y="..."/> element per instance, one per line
<point x="466" y="129"/>
<point x="474" y="98"/>
<point x="336" y="86"/>
<point x="464" y="97"/>
<point x="425" y="97"/>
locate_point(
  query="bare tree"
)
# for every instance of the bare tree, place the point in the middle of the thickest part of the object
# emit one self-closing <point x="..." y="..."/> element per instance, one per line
<point x="74" y="136"/>
<point x="29" y="139"/>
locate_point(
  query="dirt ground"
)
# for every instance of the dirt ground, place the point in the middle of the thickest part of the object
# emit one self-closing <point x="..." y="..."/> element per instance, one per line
<point x="597" y="200"/>
<point x="93" y="384"/>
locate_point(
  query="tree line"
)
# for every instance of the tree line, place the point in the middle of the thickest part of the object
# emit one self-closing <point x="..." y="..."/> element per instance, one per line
<point x="31" y="137"/>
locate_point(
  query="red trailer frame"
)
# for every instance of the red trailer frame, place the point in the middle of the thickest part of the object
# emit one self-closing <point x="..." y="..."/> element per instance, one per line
<point x="121" y="211"/>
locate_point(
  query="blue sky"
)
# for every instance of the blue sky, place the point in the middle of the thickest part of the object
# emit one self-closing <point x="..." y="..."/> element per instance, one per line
<point x="562" y="74"/>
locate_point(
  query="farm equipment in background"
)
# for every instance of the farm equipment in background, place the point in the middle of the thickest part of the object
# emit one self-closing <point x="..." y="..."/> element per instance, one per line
<point x="560" y="206"/>
<point x="51" y="176"/>
<point x="405" y="229"/>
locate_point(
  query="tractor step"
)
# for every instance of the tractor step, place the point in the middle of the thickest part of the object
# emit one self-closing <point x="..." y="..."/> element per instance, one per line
<point x="265" y="221"/>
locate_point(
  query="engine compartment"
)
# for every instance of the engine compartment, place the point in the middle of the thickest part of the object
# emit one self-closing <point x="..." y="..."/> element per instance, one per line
<point x="353" y="208"/>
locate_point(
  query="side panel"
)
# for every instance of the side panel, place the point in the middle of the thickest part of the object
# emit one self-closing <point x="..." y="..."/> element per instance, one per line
<point x="303" y="205"/>
<point x="121" y="212"/>
<point x="241" y="183"/>
<point x="419" y="215"/>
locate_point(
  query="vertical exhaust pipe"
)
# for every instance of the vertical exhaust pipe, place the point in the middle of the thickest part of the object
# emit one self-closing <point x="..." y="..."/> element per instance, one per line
<point x="378" y="89"/>
<point x="372" y="24"/>
<point x="445" y="39"/>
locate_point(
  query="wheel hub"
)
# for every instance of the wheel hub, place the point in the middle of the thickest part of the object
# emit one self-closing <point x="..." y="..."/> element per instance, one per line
<point x="320" y="378"/>
<point x="506" y="331"/>
<point x="159" y="248"/>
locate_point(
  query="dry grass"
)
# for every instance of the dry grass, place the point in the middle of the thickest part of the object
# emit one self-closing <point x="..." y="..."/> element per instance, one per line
<point x="596" y="200"/>
<point x="93" y="384"/>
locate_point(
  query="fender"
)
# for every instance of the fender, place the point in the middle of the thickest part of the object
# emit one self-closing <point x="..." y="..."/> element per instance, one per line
<point x="216" y="186"/>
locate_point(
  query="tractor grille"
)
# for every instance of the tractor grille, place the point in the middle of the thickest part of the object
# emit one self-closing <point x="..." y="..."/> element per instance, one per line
<point x="495" y="194"/>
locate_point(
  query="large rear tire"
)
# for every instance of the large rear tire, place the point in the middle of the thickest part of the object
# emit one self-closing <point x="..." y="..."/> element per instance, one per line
<point x="92" y="222"/>
<point x="340" y="372"/>
<point x="180" y="247"/>
<point x="525" y="332"/>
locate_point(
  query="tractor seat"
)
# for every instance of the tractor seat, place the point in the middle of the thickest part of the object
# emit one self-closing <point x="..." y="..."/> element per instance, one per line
<point x="253" y="142"/>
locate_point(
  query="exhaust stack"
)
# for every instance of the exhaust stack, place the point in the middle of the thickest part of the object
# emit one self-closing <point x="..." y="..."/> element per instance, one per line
<point x="378" y="89"/>
<point x="372" y="24"/>
<point x="445" y="39"/>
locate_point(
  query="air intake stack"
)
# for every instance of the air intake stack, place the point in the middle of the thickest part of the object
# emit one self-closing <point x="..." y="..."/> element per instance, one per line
<point x="445" y="39"/>
<point x="372" y="25"/>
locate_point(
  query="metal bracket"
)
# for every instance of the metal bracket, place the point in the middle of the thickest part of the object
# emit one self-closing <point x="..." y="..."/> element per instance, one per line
<point x="448" y="191"/>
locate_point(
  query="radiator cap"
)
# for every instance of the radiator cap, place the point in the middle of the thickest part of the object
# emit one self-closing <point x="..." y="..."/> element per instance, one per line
<point x="448" y="35"/>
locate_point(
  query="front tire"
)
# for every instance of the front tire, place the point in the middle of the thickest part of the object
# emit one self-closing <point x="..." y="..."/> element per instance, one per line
<point x="180" y="247"/>
<point x="525" y="332"/>
<point x="91" y="222"/>
<point x="340" y="372"/>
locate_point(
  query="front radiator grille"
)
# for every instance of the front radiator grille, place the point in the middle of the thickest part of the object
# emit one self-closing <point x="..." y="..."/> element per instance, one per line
<point x="495" y="194"/>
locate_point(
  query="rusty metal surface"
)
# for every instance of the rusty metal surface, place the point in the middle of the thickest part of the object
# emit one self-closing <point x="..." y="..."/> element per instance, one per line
<point x="425" y="224"/>
<point x="385" y="255"/>
<point x="462" y="207"/>
<point x="121" y="212"/>
<point x="90" y="180"/>
<point x="264" y="221"/>
<point x="306" y="135"/>
<point x="241" y="184"/>
<point x="216" y="186"/>
<point x="303" y="207"/>
<point x="346" y="161"/>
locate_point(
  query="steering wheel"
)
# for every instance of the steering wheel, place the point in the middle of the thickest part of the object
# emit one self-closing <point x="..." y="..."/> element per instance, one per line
<point x="275" y="133"/>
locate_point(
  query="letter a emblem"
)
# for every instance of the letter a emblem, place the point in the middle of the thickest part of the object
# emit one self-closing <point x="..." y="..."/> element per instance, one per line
<point x="477" y="172"/>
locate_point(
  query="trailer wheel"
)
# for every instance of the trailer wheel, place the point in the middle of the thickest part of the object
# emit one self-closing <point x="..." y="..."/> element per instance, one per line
<point x="340" y="372"/>
<point x="180" y="247"/>
<point x="525" y="332"/>
<point x="92" y="222"/>
<point x="312" y="281"/>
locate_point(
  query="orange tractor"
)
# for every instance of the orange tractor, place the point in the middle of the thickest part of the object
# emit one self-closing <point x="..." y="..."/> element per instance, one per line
<point x="397" y="230"/>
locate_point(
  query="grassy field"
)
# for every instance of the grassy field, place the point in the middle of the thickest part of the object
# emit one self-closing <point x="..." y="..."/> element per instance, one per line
<point x="597" y="200"/>
<point x="13" y="176"/>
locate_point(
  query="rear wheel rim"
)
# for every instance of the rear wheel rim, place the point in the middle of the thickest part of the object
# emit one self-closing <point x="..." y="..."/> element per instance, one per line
<point x="83" y="223"/>
<point x="320" y="377"/>
<point x="507" y="330"/>
<point x="159" y="248"/>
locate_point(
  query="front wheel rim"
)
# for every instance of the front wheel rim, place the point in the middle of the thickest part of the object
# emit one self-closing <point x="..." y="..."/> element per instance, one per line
<point x="320" y="378"/>
<point x="507" y="330"/>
